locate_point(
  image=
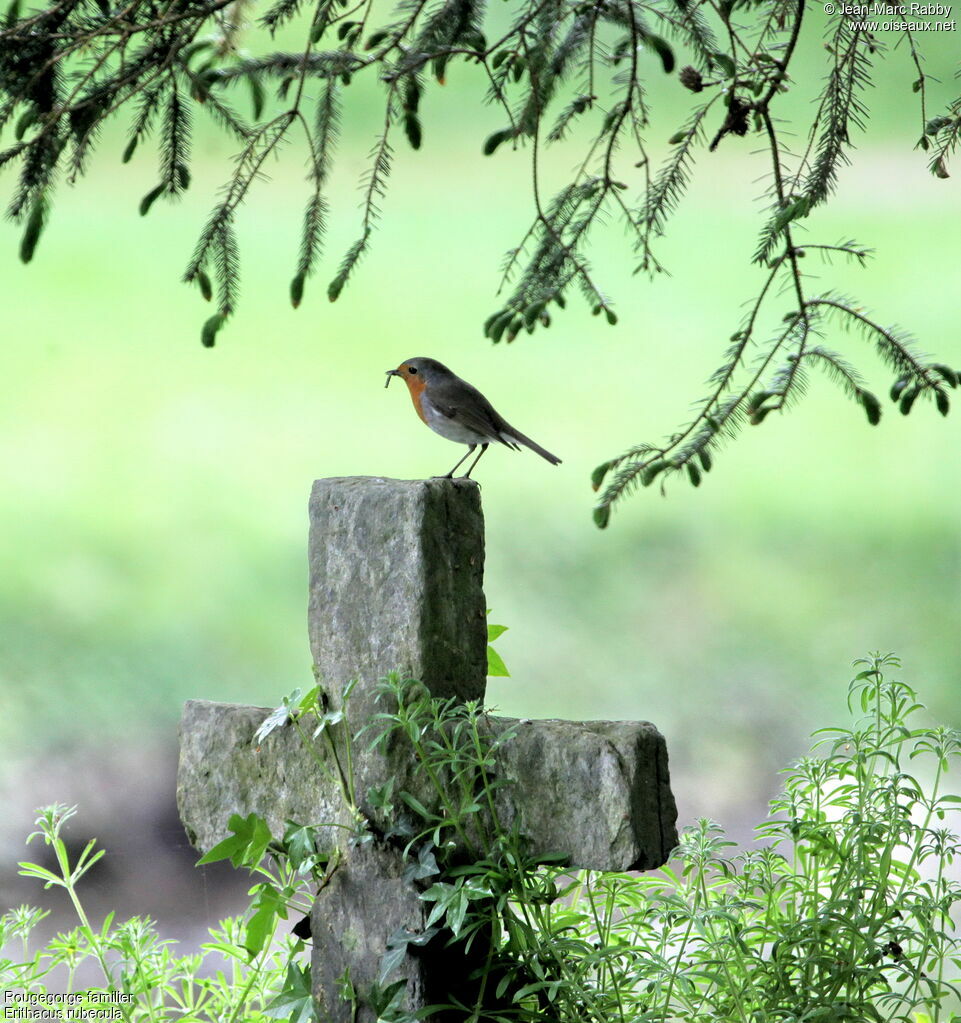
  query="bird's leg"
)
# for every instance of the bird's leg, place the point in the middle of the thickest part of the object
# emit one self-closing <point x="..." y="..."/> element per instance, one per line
<point x="484" y="447"/>
<point x="450" y="475"/>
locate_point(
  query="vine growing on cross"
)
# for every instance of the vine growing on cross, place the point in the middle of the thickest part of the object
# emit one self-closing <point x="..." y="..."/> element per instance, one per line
<point x="556" y="70"/>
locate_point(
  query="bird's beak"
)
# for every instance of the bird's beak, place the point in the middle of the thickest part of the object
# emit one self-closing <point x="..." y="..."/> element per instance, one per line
<point x="391" y="373"/>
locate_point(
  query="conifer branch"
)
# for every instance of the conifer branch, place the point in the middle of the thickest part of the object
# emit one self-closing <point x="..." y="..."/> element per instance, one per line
<point x="560" y="72"/>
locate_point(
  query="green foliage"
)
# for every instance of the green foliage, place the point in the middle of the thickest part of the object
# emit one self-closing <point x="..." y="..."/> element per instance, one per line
<point x="842" y="912"/>
<point x="243" y="972"/>
<point x="563" y="71"/>
<point x="309" y="712"/>
<point x="495" y="663"/>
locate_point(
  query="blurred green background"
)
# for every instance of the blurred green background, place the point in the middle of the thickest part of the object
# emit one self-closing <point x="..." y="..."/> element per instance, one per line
<point x="153" y="501"/>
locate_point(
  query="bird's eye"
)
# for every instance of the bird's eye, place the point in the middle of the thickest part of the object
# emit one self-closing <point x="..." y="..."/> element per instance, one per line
<point x="412" y="369"/>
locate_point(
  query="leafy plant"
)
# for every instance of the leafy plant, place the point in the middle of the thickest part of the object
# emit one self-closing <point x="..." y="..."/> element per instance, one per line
<point x="842" y="912"/>
<point x="495" y="663"/>
<point x="561" y="71"/>
<point x="243" y="972"/>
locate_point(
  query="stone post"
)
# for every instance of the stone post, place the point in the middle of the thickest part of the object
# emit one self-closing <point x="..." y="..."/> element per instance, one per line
<point x="396" y="573"/>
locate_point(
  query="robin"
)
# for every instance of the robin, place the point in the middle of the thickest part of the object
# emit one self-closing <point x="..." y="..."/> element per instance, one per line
<point x="456" y="410"/>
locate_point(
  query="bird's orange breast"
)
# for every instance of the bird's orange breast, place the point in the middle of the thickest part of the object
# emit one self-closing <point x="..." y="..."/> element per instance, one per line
<point x="416" y="386"/>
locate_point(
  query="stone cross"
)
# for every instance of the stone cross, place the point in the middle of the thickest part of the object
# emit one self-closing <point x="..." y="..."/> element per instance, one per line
<point x="396" y="573"/>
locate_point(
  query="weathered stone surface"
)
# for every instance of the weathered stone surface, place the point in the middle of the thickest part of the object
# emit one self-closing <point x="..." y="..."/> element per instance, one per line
<point x="223" y="770"/>
<point x="595" y="791"/>
<point x="396" y="574"/>
<point x="396" y="583"/>
<point x="365" y="902"/>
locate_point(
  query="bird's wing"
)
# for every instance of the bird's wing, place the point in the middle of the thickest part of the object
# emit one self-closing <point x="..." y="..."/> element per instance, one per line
<point x="473" y="410"/>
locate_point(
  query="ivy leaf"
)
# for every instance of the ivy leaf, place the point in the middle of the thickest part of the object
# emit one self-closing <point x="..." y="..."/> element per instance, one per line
<point x="295" y="1001"/>
<point x="246" y="846"/>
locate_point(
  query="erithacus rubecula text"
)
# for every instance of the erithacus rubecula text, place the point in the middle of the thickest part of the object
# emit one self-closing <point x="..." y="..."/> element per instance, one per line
<point x="456" y="410"/>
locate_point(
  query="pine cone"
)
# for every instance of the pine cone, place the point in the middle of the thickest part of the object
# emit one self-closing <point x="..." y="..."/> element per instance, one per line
<point x="691" y="78"/>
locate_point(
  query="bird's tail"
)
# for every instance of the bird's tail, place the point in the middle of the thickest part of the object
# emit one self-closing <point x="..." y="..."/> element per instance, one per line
<point x="515" y="435"/>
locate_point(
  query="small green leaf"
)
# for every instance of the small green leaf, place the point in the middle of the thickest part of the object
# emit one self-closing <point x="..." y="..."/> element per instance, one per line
<point x="267" y="906"/>
<point x="907" y="400"/>
<point x="652" y="471"/>
<point x="501" y="324"/>
<point x="129" y="150"/>
<point x="412" y="130"/>
<point x="495" y="664"/>
<point x="295" y="1002"/>
<point x="493" y="631"/>
<point x="416" y="805"/>
<point x="277" y="718"/>
<point x="390" y="961"/>
<point x="300" y="844"/>
<point x="705" y="457"/>
<point x="208" y="335"/>
<point x="871" y="405"/>
<point x="679" y="136"/>
<point x="23" y="123"/>
<point x="188" y="53"/>
<point x="935" y="124"/>
<point x="724" y="62"/>
<point x="602" y="515"/>
<point x="149" y="199"/>
<point x="246" y="846"/>
<point x="257" y="95"/>
<point x="495" y="139"/>
<point x="611" y="316"/>
<point x="663" y="49"/>
<point x="757" y="399"/>
<point x="694" y="474"/>
<point x="33" y="230"/>
<point x="532" y="313"/>
<point x="597" y="476"/>
<point x="206" y="288"/>
<point x="297" y="289"/>
<point x="947" y="373"/>
<point x="941" y="400"/>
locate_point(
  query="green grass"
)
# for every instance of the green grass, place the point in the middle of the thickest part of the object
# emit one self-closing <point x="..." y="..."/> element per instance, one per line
<point x="153" y="525"/>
